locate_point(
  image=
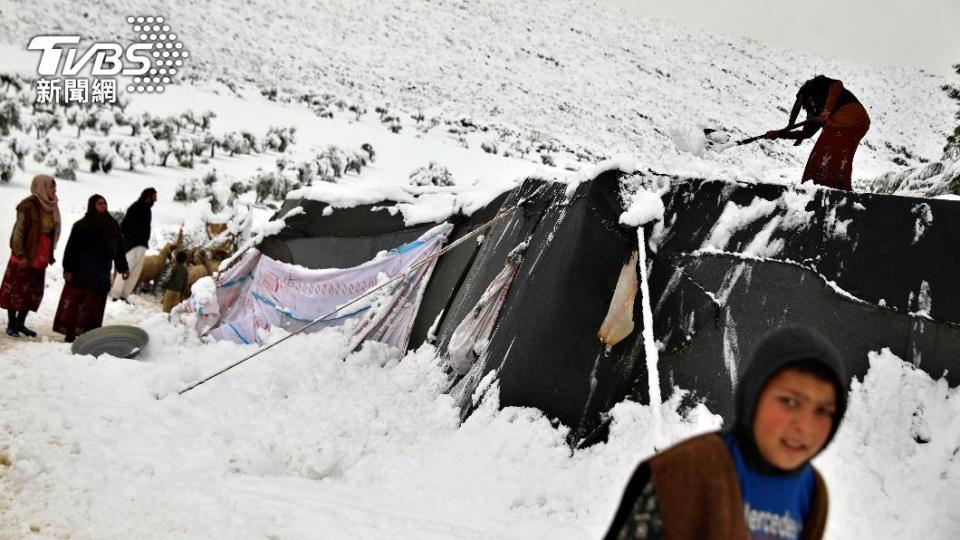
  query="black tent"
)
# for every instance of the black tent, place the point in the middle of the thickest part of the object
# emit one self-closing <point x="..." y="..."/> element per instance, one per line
<point x="869" y="271"/>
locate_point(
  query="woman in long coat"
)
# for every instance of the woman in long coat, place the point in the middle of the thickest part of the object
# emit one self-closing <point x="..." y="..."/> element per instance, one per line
<point x="94" y="246"/>
<point x="32" y="244"/>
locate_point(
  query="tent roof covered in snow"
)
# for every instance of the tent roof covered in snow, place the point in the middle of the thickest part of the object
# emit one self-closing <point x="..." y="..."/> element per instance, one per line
<point x="728" y="263"/>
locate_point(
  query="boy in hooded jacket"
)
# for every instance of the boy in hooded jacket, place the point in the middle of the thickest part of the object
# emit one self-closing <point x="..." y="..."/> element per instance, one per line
<point x="753" y="480"/>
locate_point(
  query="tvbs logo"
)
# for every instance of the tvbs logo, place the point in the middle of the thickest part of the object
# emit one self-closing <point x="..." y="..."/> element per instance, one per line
<point x="107" y="57"/>
<point x="152" y="61"/>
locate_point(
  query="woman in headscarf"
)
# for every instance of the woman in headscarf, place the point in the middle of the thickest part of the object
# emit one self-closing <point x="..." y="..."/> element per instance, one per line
<point x="94" y="246"/>
<point x="843" y="122"/>
<point x="32" y="244"/>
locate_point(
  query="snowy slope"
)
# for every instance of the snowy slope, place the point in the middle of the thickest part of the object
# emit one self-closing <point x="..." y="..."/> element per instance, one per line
<point x="572" y="73"/>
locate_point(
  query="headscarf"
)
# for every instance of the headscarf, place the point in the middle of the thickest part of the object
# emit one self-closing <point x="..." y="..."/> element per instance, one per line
<point x="778" y="349"/>
<point x="38" y="188"/>
<point x="103" y="224"/>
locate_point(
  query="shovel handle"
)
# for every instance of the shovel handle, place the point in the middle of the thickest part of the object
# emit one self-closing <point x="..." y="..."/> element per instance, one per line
<point x="788" y="128"/>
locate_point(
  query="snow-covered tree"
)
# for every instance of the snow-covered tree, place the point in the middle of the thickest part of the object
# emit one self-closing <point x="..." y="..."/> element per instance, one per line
<point x="129" y="152"/>
<point x="163" y="129"/>
<point x="105" y="121"/>
<point x="44" y="122"/>
<point x="206" y="119"/>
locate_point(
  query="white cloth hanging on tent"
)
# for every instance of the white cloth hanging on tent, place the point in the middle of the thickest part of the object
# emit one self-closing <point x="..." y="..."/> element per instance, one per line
<point x="471" y="337"/>
<point x="259" y="293"/>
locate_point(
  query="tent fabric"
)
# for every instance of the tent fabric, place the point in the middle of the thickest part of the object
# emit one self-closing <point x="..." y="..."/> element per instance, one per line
<point x="260" y="293"/>
<point x="729" y="262"/>
<point x="868" y="271"/>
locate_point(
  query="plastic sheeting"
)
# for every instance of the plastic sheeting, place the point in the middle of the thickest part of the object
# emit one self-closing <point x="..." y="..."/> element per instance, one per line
<point x="260" y="293"/>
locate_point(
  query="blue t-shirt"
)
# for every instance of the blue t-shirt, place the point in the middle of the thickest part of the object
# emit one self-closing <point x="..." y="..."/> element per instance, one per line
<point x="775" y="507"/>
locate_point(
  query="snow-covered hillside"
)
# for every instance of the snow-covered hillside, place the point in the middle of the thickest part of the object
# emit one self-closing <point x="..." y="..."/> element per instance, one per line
<point x="563" y="73"/>
<point x="313" y="440"/>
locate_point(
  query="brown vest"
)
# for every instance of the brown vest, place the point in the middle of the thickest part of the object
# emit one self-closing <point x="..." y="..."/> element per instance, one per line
<point x="699" y="493"/>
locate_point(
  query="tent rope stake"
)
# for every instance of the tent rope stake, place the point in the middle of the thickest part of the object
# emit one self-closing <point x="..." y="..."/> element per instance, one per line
<point x="500" y="215"/>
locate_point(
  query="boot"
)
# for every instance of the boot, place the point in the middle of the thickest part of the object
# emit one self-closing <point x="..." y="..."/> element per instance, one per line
<point x="12" y="326"/>
<point x="22" y="318"/>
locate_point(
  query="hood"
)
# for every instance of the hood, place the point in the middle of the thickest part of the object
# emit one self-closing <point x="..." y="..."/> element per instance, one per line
<point x="777" y="349"/>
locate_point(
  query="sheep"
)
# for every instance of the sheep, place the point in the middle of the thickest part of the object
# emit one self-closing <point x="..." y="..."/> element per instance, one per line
<point x="202" y="265"/>
<point x="155" y="265"/>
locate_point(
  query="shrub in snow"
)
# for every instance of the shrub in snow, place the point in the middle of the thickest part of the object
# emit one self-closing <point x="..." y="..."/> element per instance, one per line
<point x="233" y="143"/>
<point x="331" y="161"/>
<point x="432" y="174"/>
<point x="64" y="161"/>
<point x="163" y="129"/>
<point x="10" y="117"/>
<point x="210" y="186"/>
<point x="8" y="164"/>
<point x="187" y="191"/>
<point x="280" y="139"/>
<point x="101" y="156"/>
<point x="20" y="146"/>
<point x="252" y="143"/>
<point x="269" y="93"/>
<point x="489" y="147"/>
<point x="270" y="185"/>
<point x="41" y="148"/>
<point x="148" y="151"/>
<point x="358" y="109"/>
<point x="206" y="119"/>
<point x="418" y="117"/>
<point x="181" y="148"/>
<point x="368" y="148"/>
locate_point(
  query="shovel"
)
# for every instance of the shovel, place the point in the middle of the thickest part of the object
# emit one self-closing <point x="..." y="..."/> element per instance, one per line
<point x="718" y="141"/>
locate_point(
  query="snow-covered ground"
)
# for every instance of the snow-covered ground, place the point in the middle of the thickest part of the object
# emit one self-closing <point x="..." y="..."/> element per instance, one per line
<point x="311" y="441"/>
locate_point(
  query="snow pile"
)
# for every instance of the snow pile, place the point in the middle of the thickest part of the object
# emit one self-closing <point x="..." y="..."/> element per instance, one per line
<point x="893" y="470"/>
<point x="310" y="437"/>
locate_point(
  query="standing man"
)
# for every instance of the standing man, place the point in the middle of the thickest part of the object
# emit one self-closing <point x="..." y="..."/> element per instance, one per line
<point x="135" y="229"/>
<point x="844" y="122"/>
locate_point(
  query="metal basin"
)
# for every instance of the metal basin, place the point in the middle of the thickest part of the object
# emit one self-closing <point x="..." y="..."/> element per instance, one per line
<point x="118" y="340"/>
